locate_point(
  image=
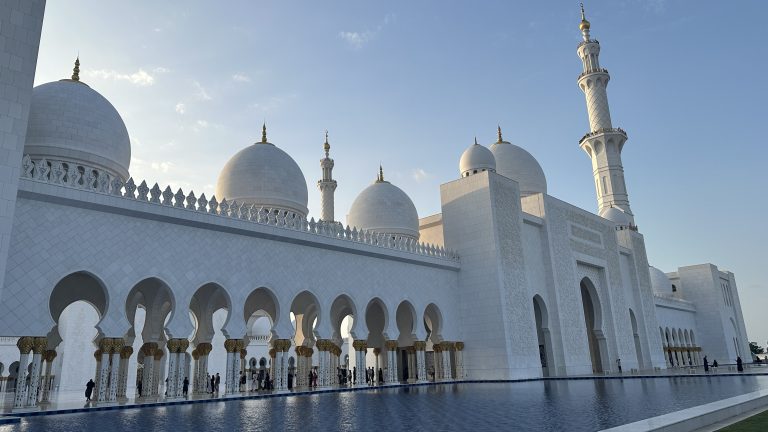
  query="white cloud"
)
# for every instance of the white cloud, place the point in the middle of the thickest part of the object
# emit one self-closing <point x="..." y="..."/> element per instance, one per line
<point x="419" y="174"/>
<point x="200" y="91"/>
<point x="357" y="40"/>
<point x="181" y="108"/>
<point x="160" y="70"/>
<point x="140" y="78"/>
<point x="273" y="103"/>
<point x="241" y="78"/>
<point x="202" y="123"/>
<point x="162" y="167"/>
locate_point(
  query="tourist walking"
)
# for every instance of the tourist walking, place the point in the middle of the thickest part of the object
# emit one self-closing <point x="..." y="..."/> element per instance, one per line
<point x="381" y="376"/>
<point x="260" y="379"/>
<point x="218" y="381"/>
<point x="706" y="365"/>
<point x="354" y="374"/>
<point x="138" y="387"/>
<point x="89" y="389"/>
<point x="208" y="382"/>
<point x="185" y="386"/>
<point x="267" y="382"/>
<point x="213" y="384"/>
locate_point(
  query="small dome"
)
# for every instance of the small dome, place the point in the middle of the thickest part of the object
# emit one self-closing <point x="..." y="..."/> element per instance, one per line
<point x="385" y="208"/>
<point x="264" y="175"/>
<point x="517" y="164"/>
<point x="659" y="281"/>
<point x="616" y="216"/>
<point x="476" y="159"/>
<point x="71" y="122"/>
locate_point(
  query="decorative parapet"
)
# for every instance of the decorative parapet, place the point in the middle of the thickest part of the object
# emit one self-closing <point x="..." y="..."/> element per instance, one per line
<point x="101" y="182"/>
<point x="602" y="131"/>
<point x="591" y="71"/>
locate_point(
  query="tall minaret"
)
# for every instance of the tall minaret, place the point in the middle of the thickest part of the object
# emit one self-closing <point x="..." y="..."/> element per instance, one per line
<point x="603" y="143"/>
<point x="327" y="185"/>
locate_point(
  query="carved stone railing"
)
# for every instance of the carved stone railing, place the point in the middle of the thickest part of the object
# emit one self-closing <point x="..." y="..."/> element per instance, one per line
<point x="591" y="71"/>
<point x="98" y="181"/>
<point x="582" y="43"/>
<point x="602" y="131"/>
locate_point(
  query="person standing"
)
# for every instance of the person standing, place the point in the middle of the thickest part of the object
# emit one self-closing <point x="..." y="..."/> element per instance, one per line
<point x="739" y="364"/>
<point x="213" y="384"/>
<point x="381" y="376"/>
<point x="138" y="387"/>
<point x="89" y="389"/>
<point x="185" y="386"/>
<point x="218" y="381"/>
<point x="706" y="365"/>
<point x="354" y="374"/>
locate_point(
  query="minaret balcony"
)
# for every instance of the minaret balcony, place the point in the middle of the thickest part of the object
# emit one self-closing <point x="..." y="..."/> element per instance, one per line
<point x="591" y="41"/>
<point x="604" y="131"/>
<point x="593" y="71"/>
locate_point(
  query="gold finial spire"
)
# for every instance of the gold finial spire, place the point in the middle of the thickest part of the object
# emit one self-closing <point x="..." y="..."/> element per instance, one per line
<point x="584" y="25"/>
<point x="500" y="139"/>
<point x="76" y="70"/>
<point x="264" y="133"/>
<point x="381" y="175"/>
<point x="326" y="146"/>
<point x="476" y="141"/>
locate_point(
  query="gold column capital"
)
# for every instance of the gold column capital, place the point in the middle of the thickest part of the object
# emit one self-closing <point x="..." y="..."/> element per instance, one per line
<point x="420" y="345"/>
<point x="39" y="345"/>
<point x="391" y="345"/>
<point x="49" y="355"/>
<point x="149" y="348"/>
<point x="230" y="345"/>
<point x="159" y="354"/>
<point x="97" y="355"/>
<point x="25" y="344"/>
<point x="360" y="345"/>
<point x="126" y="352"/>
<point x="459" y="346"/>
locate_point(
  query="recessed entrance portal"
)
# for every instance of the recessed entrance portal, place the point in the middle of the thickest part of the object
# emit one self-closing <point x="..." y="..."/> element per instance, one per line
<point x="593" y="322"/>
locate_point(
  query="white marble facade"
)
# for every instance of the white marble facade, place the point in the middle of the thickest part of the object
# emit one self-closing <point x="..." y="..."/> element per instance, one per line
<point x="110" y="278"/>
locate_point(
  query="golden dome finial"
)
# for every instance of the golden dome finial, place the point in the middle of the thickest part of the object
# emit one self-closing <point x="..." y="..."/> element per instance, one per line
<point x="500" y="139"/>
<point x="476" y="141"/>
<point x="326" y="146"/>
<point x="264" y="133"/>
<point x="381" y="175"/>
<point x="76" y="70"/>
<point x="584" y="25"/>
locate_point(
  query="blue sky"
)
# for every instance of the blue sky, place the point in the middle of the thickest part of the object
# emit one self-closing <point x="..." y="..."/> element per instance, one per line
<point x="410" y="83"/>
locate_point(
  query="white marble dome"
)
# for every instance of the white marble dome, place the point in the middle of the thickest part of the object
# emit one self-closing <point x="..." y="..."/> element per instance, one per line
<point x="264" y="175"/>
<point x="659" y="281"/>
<point x="517" y="164"/>
<point x="616" y="216"/>
<point x="385" y="208"/>
<point x="475" y="159"/>
<point x="71" y="122"/>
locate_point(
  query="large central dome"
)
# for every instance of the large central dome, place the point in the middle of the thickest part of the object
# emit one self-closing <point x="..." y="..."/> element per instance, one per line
<point x="517" y="164"/>
<point x="72" y="123"/>
<point x="384" y="208"/>
<point x="264" y="175"/>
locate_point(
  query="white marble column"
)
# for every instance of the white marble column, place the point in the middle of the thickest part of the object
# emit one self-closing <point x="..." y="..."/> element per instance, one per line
<point x="203" y="349"/>
<point x="125" y="357"/>
<point x="446" y="348"/>
<point x="181" y="367"/>
<point x="230" y="345"/>
<point x="158" y="378"/>
<point x="148" y="373"/>
<point x="421" y="369"/>
<point x="114" y="372"/>
<point x="25" y="345"/>
<point x="437" y="359"/>
<point x="49" y="356"/>
<point x="459" y="360"/>
<point x="105" y="349"/>
<point x="392" y="377"/>
<point x="40" y="343"/>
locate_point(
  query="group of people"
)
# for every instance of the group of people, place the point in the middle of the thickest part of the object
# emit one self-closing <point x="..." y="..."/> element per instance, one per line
<point x="739" y="365"/>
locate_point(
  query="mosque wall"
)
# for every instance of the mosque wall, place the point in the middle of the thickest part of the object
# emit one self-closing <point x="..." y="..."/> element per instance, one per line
<point x="431" y="230"/>
<point x="721" y="331"/>
<point x="21" y="23"/>
<point x="59" y="230"/>
<point x="483" y="223"/>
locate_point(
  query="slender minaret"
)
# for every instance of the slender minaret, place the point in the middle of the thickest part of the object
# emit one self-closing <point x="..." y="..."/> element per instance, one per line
<point x="603" y="143"/>
<point x="327" y="185"/>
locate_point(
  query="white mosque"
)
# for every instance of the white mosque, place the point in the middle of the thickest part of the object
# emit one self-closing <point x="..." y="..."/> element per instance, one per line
<point x="124" y="280"/>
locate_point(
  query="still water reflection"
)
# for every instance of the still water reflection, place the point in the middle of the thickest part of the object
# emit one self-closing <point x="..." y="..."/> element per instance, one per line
<point x="574" y="405"/>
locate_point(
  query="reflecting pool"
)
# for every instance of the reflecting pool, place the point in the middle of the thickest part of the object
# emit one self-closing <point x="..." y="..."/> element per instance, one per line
<point x="574" y="405"/>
